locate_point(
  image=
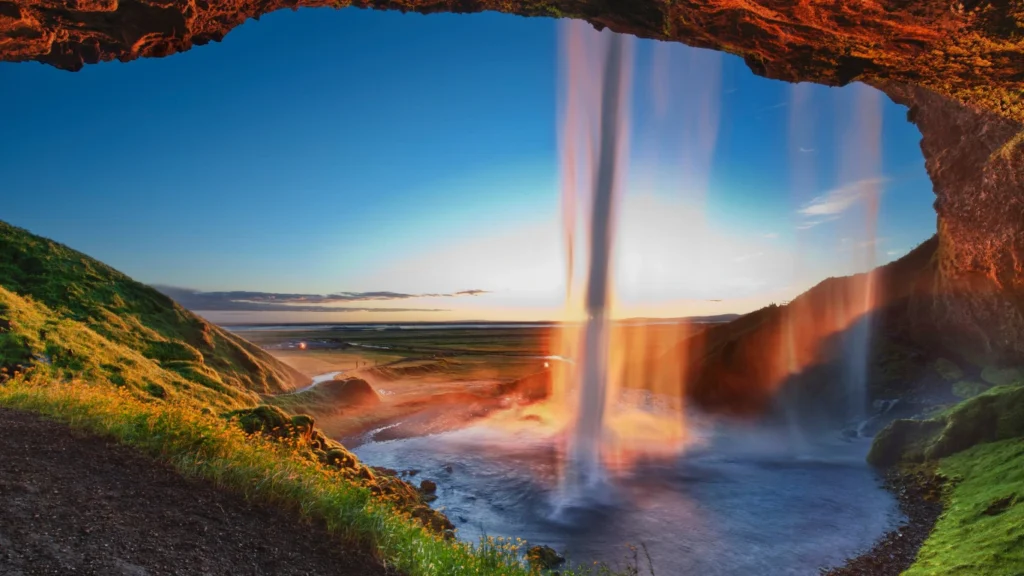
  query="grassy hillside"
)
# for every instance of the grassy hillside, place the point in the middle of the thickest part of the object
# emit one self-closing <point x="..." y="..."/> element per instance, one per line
<point x="76" y="313"/>
<point x="977" y="447"/>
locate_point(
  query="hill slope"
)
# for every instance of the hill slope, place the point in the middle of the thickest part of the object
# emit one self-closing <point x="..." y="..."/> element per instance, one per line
<point x="62" y="308"/>
<point x="739" y="366"/>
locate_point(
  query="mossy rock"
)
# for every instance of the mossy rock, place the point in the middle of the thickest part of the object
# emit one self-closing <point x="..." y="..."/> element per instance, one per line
<point x="968" y="389"/>
<point x="1002" y="376"/>
<point x="948" y="370"/>
<point x="348" y="392"/>
<point x="433" y="520"/>
<point x="261" y="419"/>
<point x="903" y="441"/>
<point x="997" y="414"/>
<point x="340" y="458"/>
<point x="543" y="558"/>
<point x="303" y="424"/>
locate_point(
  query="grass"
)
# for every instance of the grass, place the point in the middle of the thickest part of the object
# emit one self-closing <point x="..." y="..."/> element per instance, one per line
<point x="62" y="349"/>
<point x="208" y="447"/>
<point x="993" y="415"/>
<point x="982" y="528"/>
<point x="979" y="447"/>
<point x="201" y="445"/>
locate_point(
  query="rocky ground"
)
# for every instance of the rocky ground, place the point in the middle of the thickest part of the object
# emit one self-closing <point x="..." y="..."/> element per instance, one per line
<point x="919" y="495"/>
<point x="74" y="504"/>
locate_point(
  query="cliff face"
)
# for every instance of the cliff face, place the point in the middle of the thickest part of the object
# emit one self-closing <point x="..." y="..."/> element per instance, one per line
<point x="976" y="162"/>
<point x="970" y="50"/>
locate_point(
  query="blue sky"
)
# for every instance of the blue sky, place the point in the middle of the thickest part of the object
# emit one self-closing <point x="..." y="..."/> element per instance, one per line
<point x="321" y="151"/>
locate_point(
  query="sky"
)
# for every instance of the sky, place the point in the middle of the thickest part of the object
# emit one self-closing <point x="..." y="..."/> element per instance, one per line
<point x="406" y="167"/>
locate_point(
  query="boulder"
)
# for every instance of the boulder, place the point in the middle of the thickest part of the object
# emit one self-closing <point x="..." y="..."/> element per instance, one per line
<point x="543" y="557"/>
<point x="349" y="392"/>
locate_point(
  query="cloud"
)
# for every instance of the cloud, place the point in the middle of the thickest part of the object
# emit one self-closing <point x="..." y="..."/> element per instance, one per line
<point x="894" y="252"/>
<point x="839" y="200"/>
<point x="770" y="235"/>
<point x="806" y="150"/>
<point x="275" y="302"/>
<point x="714" y="300"/>
<point x="812" y="223"/>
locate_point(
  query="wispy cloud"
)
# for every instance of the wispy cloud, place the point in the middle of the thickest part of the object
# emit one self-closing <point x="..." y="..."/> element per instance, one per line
<point x="812" y="223"/>
<point x="270" y="301"/>
<point x="806" y="150"/>
<point x="830" y="206"/>
<point x="894" y="252"/>
<point x="839" y="200"/>
<point x="770" y="235"/>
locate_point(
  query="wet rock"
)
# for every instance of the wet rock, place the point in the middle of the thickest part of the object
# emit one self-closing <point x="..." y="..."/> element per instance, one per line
<point x="448" y="468"/>
<point x="433" y="520"/>
<point x="428" y="487"/>
<point x="919" y="494"/>
<point x="543" y="557"/>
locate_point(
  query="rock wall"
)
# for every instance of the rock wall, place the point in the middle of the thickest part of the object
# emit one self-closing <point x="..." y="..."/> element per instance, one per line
<point x="970" y="50"/>
<point x="976" y="162"/>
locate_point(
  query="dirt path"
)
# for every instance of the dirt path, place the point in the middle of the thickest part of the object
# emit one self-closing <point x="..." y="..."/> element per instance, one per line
<point x="72" y="504"/>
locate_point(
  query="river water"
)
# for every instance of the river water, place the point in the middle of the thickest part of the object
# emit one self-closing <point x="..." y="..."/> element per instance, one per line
<point x="741" y="502"/>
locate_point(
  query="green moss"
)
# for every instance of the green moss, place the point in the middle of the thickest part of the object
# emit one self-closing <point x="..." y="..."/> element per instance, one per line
<point x="156" y="390"/>
<point x="996" y="414"/>
<point x="981" y="530"/>
<point x="904" y="441"/>
<point x="1002" y="376"/>
<point x="15" y="351"/>
<point x="261" y="419"/>
<point x="948" y="370"/>
<point x="171" y="351"/>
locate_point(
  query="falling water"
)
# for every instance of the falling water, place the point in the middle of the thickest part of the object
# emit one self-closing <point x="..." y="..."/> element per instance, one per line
<point x="622" y="400"/>
<point x="841" y="311"/>
<point x="611" y="113"/>
<point x="863" y="163"/>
